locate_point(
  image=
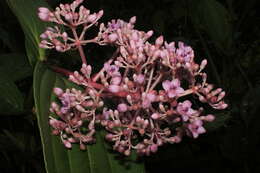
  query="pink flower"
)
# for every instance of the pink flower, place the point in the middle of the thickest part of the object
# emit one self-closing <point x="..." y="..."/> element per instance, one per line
<point x="184" y="53"/>
<point x="172" y="88"/>
<point x="111" y="70"/>
<point x="114" y="25"/>
<point x="147" y="99"/>
<point x="196" y="128"/>
<point x="185" y="110"/>
<point x="66" y="103"/>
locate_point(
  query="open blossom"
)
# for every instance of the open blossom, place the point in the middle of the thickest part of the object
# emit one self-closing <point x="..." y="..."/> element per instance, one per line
<point x="138" y="96"/>
<point x="184" y="53"/>
<point x="172" y="88"/>
<point x="185" y="110"/>
<point x="147" y="99"/>
<point x="196" y="128"/>
<point x="111" y="70"/>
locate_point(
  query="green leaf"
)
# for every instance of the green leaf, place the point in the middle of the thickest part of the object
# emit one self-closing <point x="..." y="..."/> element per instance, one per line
<point x="215" y="20"/>
<point x="26" y="12"/>
<point x="11" y="98"/>
<point x="96" y="159"/>
<point x="15" y="65"/>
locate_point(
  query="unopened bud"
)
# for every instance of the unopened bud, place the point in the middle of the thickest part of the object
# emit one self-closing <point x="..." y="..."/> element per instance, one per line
<point x="132" y="20"/>
<point x="159" y="41"/>
<point x="203" y="64"/>
<point x="58" y="91"/>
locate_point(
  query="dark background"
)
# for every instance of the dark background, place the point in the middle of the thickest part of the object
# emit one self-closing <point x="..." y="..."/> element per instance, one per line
<point x="226" y="32"/>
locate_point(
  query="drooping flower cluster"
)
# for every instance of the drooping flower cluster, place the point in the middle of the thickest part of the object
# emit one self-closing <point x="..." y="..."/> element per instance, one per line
<point x="147" y="86"/>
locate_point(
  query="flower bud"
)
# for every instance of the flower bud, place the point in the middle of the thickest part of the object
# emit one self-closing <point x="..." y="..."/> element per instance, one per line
<point x="159" y="41"/>
<point x="132" y="20"/>
<point x="149" y="33"/>
<point x="100" y="13"/>
<point x="154" y="148"/>
<point x="209" y="118"/>
<point x="67" y="144"/>
<point x="155" y="116"/>
<point x="127" y="152"/>
<point x="91" y="18"/>
<point x="203" y="64"/>
<point x="58" y="91"/>
<point x="82" y="146"/>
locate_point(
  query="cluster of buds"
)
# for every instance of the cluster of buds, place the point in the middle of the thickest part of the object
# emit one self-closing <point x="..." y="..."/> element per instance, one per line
<point x="76" y="112"/>
<point x="148" y="86"/>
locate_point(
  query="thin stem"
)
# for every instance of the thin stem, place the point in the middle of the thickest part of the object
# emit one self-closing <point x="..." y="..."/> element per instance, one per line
<point x="78" y="43"/>
<point x="150" y="80"/>
<point x="60" y="70"/>
<point x="156" y="82"/>
<point x="89" y="41"/>
<point x="83" y="32"/>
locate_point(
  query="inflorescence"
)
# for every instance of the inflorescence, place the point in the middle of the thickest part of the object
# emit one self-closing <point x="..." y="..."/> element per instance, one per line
<point x="151" y="87"/>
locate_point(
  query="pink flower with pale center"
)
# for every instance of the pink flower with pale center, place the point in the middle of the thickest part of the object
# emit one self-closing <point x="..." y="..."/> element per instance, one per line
<point x="172" y="88"/>
<point x="196" y="128"/>
<point x="184" y="53"/>
<point x="66" y="103"/>
<point x="111" y="70"/>
<point x="185" y="110"/>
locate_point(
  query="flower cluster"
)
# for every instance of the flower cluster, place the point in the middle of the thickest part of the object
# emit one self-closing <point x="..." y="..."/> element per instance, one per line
<point x="148" y="86"/>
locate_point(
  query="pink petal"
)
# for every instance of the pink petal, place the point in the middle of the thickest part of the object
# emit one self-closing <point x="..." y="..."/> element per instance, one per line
<point x="175" y="82"/>
<point x="172" y="93"/>
<point x="43" y="16"/>
<point x="194" y="134"/>
<point x="201" y="130"/>
<point x="185" y="117"/>
<point x="186" y="104"/>
<point x="43" y="10"/>
<point x="151" y="97"/>
<point x="179" y="91"/>
<point x="198" y="123"/>
<point x="146" y="103"/>
<point x="166" y="85"/>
